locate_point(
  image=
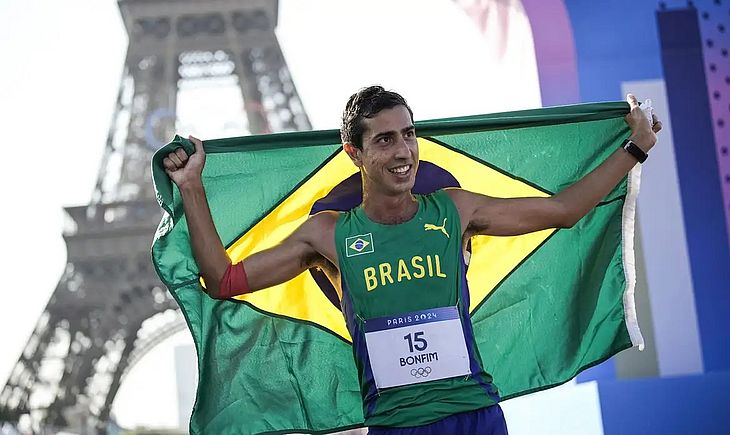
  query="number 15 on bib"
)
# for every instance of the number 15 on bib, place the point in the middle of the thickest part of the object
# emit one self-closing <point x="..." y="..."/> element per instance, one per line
<point x="417" y="347"/>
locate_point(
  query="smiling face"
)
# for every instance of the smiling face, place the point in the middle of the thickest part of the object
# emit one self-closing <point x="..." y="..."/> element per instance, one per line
<point x="389" y="155"/>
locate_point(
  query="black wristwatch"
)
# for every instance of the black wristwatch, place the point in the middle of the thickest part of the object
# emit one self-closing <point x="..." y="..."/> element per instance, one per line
<point x="634" y="150"/>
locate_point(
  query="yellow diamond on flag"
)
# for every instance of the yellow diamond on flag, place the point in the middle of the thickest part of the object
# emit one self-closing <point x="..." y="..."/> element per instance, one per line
<point x="492" y="260"/>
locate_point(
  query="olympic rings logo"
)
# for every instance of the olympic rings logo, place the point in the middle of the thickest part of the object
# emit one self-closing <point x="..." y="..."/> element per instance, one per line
<point x="421" y="372"/>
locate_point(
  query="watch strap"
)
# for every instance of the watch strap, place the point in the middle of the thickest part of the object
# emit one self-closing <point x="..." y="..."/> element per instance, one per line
<point x="634" y="150"/>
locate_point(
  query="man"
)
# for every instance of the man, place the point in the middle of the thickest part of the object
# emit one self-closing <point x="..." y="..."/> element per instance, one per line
<point x="396" y="261"/>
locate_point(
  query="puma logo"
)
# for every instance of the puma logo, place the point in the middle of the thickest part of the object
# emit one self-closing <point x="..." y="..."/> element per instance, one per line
<point x="442" y="228"/>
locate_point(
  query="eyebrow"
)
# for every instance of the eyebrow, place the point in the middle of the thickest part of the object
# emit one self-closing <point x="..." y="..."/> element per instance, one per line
<point x="392" y="132"/>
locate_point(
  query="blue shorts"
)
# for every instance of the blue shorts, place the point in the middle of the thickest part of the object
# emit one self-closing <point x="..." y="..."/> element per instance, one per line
<point x="484" y="421"/>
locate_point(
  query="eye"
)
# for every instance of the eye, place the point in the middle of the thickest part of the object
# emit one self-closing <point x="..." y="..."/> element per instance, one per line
<point x="384" y="139"/>
<point x="410" y="133"/>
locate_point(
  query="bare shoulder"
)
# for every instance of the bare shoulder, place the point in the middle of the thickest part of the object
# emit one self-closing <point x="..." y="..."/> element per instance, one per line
<point x="464" y="200"/>
<point x="466" y="203"/>
<point x="456" y="194"/>
<point x="323" y="221"/>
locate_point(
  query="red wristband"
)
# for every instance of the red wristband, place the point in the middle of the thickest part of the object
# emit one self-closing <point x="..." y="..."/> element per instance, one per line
<point x="234" y="282"/>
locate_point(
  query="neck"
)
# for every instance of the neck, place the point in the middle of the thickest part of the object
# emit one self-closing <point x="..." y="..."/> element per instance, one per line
<point x="389" y="209"/>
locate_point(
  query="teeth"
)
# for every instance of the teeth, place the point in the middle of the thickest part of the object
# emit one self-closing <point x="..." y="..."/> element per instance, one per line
<point x="400" y="169"/>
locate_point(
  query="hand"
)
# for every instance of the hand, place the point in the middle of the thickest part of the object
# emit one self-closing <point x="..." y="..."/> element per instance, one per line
<point x="182" y="169"/>
<point x="643" y="131"/>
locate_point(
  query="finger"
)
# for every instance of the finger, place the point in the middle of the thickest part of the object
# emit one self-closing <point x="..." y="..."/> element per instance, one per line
<point x="181" y="154"/>
<point x="656" y="125"/>
<point x="633" y="102"/>
<point x="175" y="160"/>
<point x="198" y="144"/>
<point x="168" y="165"/>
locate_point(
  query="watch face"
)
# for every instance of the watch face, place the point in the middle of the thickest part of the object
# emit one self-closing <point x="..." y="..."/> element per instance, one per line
<point x="158" y="120"/>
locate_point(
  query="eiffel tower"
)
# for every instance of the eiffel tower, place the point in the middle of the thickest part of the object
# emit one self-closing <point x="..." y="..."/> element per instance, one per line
<point x="109" y="307"/>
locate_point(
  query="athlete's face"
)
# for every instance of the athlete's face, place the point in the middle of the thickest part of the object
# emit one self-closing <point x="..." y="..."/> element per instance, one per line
<point x="389" y="155"/>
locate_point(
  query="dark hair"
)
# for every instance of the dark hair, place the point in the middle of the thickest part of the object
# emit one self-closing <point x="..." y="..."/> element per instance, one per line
<point x="366" y="103"/>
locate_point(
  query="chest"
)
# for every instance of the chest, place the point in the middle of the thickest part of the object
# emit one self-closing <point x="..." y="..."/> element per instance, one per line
<point x="402" y="268"/>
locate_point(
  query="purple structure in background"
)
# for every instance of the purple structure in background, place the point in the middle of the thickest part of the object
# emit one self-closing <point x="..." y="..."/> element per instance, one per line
<point x="715" y="31"/>
<point x="693" y="131"/>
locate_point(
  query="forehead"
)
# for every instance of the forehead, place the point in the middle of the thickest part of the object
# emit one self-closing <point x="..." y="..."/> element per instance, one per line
<point x="394" y="119"/>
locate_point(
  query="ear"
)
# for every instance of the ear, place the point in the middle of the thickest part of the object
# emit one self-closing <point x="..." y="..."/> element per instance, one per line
<point x="354" y="153"/>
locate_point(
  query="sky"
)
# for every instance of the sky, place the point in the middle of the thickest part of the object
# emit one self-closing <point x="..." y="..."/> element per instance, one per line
<point x="62" y="63"/>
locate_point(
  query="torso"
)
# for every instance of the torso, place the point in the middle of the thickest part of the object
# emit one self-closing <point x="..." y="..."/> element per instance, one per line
<point x="388" y="270"/>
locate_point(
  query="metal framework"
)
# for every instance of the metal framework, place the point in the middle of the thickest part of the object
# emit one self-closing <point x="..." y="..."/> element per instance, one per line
<point x="105" y="312"/>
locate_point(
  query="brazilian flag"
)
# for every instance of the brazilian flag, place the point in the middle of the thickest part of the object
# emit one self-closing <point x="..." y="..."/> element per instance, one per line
<point x="545" y="305"/>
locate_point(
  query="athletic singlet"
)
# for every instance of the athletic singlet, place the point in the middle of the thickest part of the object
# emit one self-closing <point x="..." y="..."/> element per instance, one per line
<point x="393" y="276"/>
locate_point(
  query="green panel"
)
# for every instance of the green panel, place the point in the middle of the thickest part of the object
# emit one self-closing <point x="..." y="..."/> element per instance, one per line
<point x="560" y="311"/>
<point x="257" y="365"/>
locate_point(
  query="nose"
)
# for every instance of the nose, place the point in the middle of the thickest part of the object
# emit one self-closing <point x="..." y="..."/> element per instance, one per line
<point x="402" y="150"/>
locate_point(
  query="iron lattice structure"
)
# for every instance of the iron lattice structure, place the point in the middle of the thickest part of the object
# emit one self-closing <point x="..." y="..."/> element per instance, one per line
<point x="97" y="322"/>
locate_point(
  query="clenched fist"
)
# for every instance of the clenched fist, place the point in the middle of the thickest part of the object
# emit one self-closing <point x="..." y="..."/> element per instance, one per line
<point x="183" y="169"/>
<point x="643" y="129"/>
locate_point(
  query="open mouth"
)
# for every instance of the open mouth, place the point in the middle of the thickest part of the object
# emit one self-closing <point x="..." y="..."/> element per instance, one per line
<point x="400" y="170"/>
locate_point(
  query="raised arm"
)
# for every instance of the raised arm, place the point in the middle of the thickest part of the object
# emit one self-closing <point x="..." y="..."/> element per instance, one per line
<point x="486" y="215"/>
<point x="261" y="270"/>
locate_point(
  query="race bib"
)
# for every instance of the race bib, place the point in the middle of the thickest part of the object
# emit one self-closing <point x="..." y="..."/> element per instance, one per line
<point x="416" y="347"/>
